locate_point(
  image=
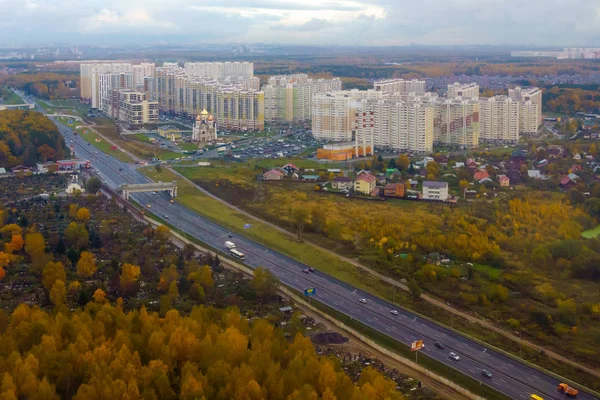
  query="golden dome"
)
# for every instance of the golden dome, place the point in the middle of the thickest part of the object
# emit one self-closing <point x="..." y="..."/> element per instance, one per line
<point x="204" y="112"/>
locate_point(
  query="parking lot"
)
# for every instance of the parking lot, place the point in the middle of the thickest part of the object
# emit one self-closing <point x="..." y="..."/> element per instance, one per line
<point x="296" y="143"/>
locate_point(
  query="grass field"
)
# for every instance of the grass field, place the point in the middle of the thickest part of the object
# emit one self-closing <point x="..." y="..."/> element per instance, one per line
<point x="592" y="233"/>
<point x="9" y="96"/>
<point x="188" y="146"/>
<point x="141" y="137"/>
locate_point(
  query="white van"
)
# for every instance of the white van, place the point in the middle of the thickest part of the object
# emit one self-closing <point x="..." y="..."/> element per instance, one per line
<point x="230" y="245"/>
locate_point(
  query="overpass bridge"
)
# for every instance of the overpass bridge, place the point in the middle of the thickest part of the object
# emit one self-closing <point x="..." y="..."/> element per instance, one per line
<point x="127" y="189"/>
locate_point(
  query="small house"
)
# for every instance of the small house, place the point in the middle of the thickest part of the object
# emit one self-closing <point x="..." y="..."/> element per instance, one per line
<point x="479" y="175"/>
<point x="365" y="183"/>
<point x="310" y="178"/>
<point x="394" y="190"/>
<point x="290" y="168"/>
<point x="576" y="168"/>
<point x="504" y="181"/>
<point x="534" y="173"/>
<point x="273" y="175"/>
<point x="341" y="183"/>
<point x="434" y="190"/>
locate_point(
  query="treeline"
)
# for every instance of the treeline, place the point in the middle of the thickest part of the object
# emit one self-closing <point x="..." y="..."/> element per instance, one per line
<point x="46" y="85"/>
<point x="569" y="100"/>
<point x="27" y="137"/>
<point x="102" y="352"/>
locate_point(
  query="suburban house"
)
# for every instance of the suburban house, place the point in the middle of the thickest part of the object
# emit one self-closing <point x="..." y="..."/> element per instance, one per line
<point x="394" y="190"/>
<point x="555" y="151"/>
<point x="365" y="183"/>
<point x="20" y="168"/>
<point x="577" y="156"/>
<point x="576" y="168"/>
<point x="504" y="181"/>
<point x="569" y="181"/>
<point x="290" y="168"/>
<point x="273" y="175"/>
<point x="470" y="163"/>
<point x="434" y="190"/>
<point x="341" y="183"/>
<point x="479" y="175"/>
<point x="442" y="160"/>
<point x="534" y="173"/>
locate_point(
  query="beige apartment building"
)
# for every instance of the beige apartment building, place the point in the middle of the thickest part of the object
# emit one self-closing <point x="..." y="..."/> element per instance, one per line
<point x="219" y="69"/>
<point x="135" y="110"/>
<point x="400" y="86"/>
<point x="288" y="98"/>
<point x="530" y="99"/>
<point x="394" y="123"/>
<point x="463" y="90"/>
<point x="499" y="120"/>
<point x="90" y="74"/>
<point x="456" y="122"/>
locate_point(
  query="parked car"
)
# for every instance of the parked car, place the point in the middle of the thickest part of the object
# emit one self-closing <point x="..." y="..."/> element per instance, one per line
<point x="454" y="356"/>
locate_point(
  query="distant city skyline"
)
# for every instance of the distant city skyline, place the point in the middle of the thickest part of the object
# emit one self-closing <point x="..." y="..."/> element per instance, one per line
<point x="341" y="22"/>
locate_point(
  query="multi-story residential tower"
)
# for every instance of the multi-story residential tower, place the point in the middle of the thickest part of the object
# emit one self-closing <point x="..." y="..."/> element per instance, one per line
<point x="499" y="118"/>
<point x="530" y="99"/>
<point x="219" y="69"/>
<point x="90" y="79"/>
<point x="333" y="113"/>
<point x="108" y="82"/>
<point x="463" y="90"/>
<point x="456" y="122"/>
<point x="288" y="98"/>
<point x="400" y="86"/>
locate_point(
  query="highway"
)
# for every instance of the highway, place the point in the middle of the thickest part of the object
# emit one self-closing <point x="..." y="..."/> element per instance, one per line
<point x="512" y="378"/>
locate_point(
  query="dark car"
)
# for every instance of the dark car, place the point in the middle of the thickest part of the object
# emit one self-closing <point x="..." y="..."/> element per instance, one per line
<point x="486" y="373"/>
<point x="310" y="269"/>
<point x="439" y="345"/>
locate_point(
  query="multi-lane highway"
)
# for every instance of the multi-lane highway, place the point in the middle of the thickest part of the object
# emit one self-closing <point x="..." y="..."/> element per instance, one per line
<point x="512" y="378"/>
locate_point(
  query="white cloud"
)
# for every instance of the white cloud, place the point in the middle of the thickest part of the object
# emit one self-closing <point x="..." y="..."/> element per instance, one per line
<point x="349" y="22"/>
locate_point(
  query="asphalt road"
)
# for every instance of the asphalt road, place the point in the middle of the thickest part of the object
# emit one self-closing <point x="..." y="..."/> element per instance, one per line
<point x="515" y="380"/>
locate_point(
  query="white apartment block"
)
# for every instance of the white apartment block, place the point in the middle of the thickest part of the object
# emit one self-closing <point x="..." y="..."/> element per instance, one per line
<point x="219" y="69"/>
<point x="499" y="118"/>
<point x="531" y="107"/>
<point x="288" y="98"/>
<point x="456" y="122"/>
<point x="391" y="123"/>
<point x="107" y="83"/>
<point x="463" y="90"/>
<point x="140" y="72"/>
<point x="90" y="78"/>
<point x="400" y="86"/>
<point x="333" y="113"/>
<point x="235" y="106"/>
<point x="135" y="110"/>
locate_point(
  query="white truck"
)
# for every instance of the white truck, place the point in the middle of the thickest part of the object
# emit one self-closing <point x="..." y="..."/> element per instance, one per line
<point x="230" y="245"/>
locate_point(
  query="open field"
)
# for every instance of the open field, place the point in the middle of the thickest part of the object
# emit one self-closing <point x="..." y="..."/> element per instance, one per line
<point x="9" y="96"/>
<point x="591" y="233"/>
<point x="141" y="137"/>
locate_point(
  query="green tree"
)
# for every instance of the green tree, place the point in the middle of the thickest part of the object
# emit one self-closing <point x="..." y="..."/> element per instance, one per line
<point x="93" y="185"/>
<point x="264" y="283"/>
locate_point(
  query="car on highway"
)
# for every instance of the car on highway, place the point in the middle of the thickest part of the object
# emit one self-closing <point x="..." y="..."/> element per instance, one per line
<point x="486" y="373"/>
<point x="364" y="301"/>
<point x="310" y="269"/>
<point x="153" y="192"/>
<point x="171" y="201"/>
<point x="305" y="270"/>
<point x="166" y="216"/>
<point x="394" y="312"/>
<point x="148" y="206"/>
<point x="439" y="345"/>
<point x="454" y="356"/>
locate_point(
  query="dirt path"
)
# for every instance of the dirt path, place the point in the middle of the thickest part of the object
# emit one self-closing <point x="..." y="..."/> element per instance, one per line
<point x="431" y="300"/>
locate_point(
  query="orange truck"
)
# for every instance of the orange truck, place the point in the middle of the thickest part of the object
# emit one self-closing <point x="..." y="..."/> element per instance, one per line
<point x="568" y="390"/>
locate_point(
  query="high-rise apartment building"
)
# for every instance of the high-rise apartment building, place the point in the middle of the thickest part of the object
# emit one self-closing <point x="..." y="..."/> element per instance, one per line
<point x="400" y="86"/>
<point x="499" y="118"/>
<point x="530" y="99"/>
<point x="463" y="90"/>
<point x="456" y="122"/>
<point x="108" y="82"/>
<point x="332" y="113"/>
<point x="219" y="69"/>
<point x="140" y="73"/>
<point x="288" y="98"/>
<point x="90" y="79"/>
<point x="394" y="123"/>
<point x="135" y="110"/>
<point x="233" y="102"/>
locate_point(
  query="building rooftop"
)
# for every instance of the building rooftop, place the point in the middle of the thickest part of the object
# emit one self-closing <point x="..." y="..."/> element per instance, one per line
<point x="436" y="184"/>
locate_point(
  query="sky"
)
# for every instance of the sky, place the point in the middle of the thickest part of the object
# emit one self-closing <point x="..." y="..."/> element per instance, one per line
<point x="341" y="22"/>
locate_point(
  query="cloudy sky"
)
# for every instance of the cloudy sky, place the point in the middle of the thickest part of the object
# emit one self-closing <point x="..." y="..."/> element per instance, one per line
<point x="344" y="22"/>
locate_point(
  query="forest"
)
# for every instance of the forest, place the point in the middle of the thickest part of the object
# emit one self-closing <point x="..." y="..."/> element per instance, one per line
<point x="570" y="100"/>
<point x="101" y="306"/>
<point x="28" y="137"/>
<point x="46" y="85"/>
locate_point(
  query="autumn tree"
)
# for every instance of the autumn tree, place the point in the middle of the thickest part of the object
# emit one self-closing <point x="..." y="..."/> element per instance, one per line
<point x="433" y="169"/>
<point x="83" y="215"/>
<point x="16" y="243"/>
<point x="99" y="296"/>
<point x="129" y="276"/>
<point x="34" y="244"/>
<point x="53" y="271"/>
<point x="162" y="232"/>
<point x="86" y="266"/>
<point x="264" y="283"/>
<point x="77" y="236"/>
<point x="58" y="293"/>
<point x="403" y="162"/>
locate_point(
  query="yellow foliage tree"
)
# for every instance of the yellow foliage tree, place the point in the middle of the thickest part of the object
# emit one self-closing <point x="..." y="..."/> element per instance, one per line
<point x="53" y="271"/>
<point x="83" y="215"/>
<point x="99" y="296"/>
<point x="58" y="293"/>
<point x="86" y="266"/>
